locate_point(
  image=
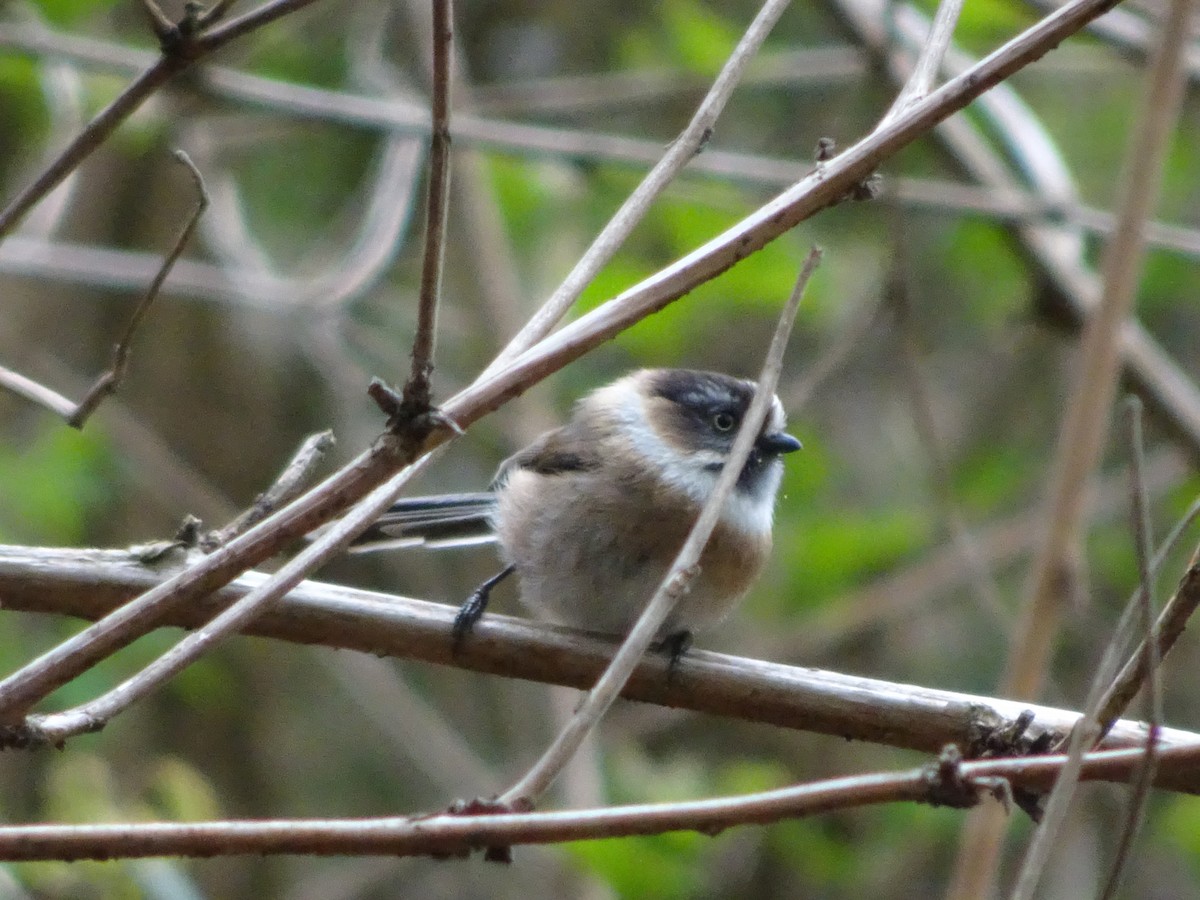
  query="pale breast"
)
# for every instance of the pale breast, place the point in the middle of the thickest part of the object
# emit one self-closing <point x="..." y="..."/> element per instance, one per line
<point x="590" y="548"/>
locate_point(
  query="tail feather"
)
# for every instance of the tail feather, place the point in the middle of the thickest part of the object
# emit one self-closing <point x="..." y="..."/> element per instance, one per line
<point x="446" y="520"/>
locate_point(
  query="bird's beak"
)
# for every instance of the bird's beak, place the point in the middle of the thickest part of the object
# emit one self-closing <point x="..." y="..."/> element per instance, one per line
<point x="778" y="443"/>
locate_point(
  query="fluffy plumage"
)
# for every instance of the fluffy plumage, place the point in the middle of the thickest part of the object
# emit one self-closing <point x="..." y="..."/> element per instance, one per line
<point x="592" y="514"/>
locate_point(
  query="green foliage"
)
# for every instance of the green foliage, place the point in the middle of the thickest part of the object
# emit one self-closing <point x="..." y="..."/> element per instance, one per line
<point x="1164" y="287"/>
<point x="178" y="792"/>
<point x="21" y="106"/>
<point x="1177" y="824"/>
<point x="700" y="40"/>
<point x="851" y="546"/>
<point x="663" y="867"/>
<point x="984" y="23"/>
<point x="990" y="282"/>
<point x="318" y="59"/>
<point x="991" y="478"/>
<point x="54" y="484"/>
<point x="690" y="35"/>
<point x="72" y="12"/>
<point x="295" y="199"/>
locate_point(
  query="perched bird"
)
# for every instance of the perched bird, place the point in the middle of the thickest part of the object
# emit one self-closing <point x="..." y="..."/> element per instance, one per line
<point x="591" y="515"/>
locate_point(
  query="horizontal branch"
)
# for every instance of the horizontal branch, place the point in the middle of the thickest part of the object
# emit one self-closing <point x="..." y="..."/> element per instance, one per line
<point x="90" y="583"/>
<point x="459" y="832"/>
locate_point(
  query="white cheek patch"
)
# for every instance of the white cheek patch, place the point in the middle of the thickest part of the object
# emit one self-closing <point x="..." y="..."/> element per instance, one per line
<point x="695" y="474"/>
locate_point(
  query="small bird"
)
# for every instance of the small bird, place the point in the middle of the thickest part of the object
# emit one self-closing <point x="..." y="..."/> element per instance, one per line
<point x="591" y="515"/>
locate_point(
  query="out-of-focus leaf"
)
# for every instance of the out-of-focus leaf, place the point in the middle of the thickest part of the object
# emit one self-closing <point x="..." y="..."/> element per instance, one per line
<point x="53" y="484"/>
<point x="701" y="40"/>
<point x="71" y="12"/>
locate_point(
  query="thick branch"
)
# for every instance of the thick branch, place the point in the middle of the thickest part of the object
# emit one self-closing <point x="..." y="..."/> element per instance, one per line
<point x="91" y="583"/>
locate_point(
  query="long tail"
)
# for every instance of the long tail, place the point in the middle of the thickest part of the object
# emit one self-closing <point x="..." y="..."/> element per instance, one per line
<point x="445" y="520"/>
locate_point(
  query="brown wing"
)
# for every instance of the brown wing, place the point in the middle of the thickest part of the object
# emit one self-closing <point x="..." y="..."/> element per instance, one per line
<point x="566" y="449"/>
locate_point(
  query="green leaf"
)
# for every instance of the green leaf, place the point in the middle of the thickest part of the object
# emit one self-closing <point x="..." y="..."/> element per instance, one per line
<point x="700" y="39"/>
<point x="53" y="485"/>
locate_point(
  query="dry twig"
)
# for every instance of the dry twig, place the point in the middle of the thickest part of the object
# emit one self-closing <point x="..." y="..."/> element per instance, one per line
<point x="675" y="584"/>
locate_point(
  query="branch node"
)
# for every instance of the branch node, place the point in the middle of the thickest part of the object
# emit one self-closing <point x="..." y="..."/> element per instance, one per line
<point x="411" y="415"/>
<point x="992" y="736"/>
<point x="490" y="806"/>
<point x="946" y="786"/>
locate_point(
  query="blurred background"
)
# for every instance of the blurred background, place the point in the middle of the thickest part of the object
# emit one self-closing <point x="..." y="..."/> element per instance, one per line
<point x="926" y="379"/>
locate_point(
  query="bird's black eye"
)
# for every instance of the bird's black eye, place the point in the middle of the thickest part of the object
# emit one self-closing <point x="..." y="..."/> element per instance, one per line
<point x="723" y="421"/>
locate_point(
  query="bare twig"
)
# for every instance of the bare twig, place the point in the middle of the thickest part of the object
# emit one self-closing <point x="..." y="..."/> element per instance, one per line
<point x="1088" y="730"/>
<point x="675" y="584"/>
<point x="416" y="390"/>
<point x="35" y="392"/>
<point x="214" y="13"/>
<point x="20" y="690"/>
<point x="54" y="728"/>
<point x="77" y="414"/>
<point x="180" y="56"/>
<point x="159" y="23"/>
<point x="111" y="380"/>
<point x="1144" y="775"/>
<point x="920" y="82"/>
<point x="294" y="479"/>
<point x="1170" y="626"/>
<point x="1082" y="735"/>
<point x="26" y="687"/>
<point x="92" y="583"/>
<point x="454" y="833"/>
<point x="681" y="152"/>
<point x="1087" y="416"/>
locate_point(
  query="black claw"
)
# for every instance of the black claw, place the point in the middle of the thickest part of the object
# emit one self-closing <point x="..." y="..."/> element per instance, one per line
<point x="674" y="645"/>
<point x="473" y="609"/>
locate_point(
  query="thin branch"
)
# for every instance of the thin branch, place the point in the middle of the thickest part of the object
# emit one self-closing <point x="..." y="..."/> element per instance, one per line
<point x="1170" y="625"/>
<point x="416" y="390"/>
<point x="683" y="570"/>
<point x="1086" y="419"/>
<point x="111" y="380"/>
<point x="1087" y="731"/>
<point x="811" y="194"/>
<point x="1087" y="415"/>
<point x="682" y="151"/>
<point x="19" y="691"/>
<point x="933" y="52"/>
<point x="1144" y="774"/>
<point x="1082" y="736"/>
<point x="159" y="23"/>
<point x="458" y="832"/>
<point x="55" y="728"/>
<point x="294" y="479"/>
<point x="91" y="583"/>
<point x="97" y="131"/>
<point x="214" y="13"/>
<point x="35" y="392"/>
<point x="74" y="414"/>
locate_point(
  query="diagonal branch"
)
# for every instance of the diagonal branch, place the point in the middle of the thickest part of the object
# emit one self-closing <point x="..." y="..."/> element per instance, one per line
<point x="677" y="580"/>
<point x="96" y="132"/>
<point x="836" y="178"/>
<point x="111" y="380"/>
<point x="91" y="583"/>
